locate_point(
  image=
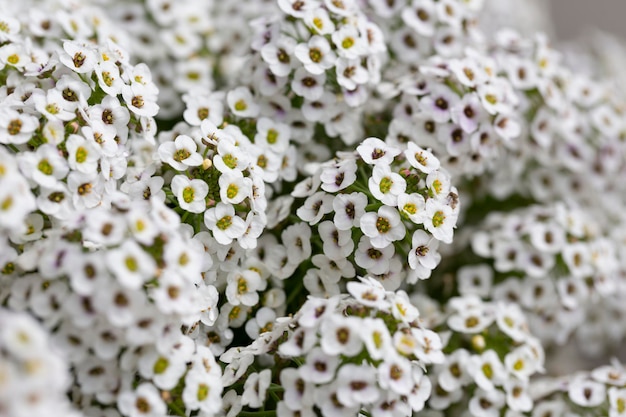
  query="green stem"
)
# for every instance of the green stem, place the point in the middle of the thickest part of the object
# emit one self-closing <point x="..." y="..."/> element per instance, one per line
<point x="270" y="413"/>
<point x="176" y="409"/>
<point x="295" y="292"/>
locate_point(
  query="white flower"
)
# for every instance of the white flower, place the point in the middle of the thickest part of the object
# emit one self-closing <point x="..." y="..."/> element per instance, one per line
<point x="383" y="227"/>
<point x="315" y="207"/>
<point x="52" y="105"/>
<point x="271" y="135"/>
<point x="234" y="187"/>
<point x="421" y="159"/>
<point x="164" y="370"/>
<point x="191" y="194"/>
<point x="131" y="265"/>
<point x="486" y="370"/>
<point x="374" y="151"/>
<point x="278" y="55"/>
<point x="229" y="157"/>
<point x="145" y="401"/>
<point x="316" y="55"/>
<point x="517" y="395"/>
<point x="357" y="385"/>
<point x="412" y="206"/>
<point x="396" y="373"/>
<point x="349" y="208"/>
<point x="80" y="57"/>
<point x="475" y="279"/>
<point x="586" y="393"/>
<point x="423" y="256"/>
<point x="83" y="155"/>
<point x="202" y="391"/>
<point x="242" y="287"/>
<point x="16" y="128"/>
<point x="452" y="374"/>
<point x="225" y="225"/>
<point x="350" y="73"/>
<point x="337" y="244"/>
<point x="421" y="17"/>
<point x="429" y="346"/>
<point x="181" y="153"/>
<point x="140" y="99"/>
<point x="45" y="166"/>
<point x="298" y="393"/>
<point x="468" y="113"/>
<point x="439" y="103"/>
<point x="511" y="320"/>
<point x="338" y="176"/>
<point x="486" y="403"/>
<point x="327" y="399"/>
<point x="617" y="402"/>
<point x="349" y="43"/>
<point x="255" y="388"/>
<point x="241" y="102"/>
<point x="311" y="87"/>
<point x="521" y="362"/>
<point x="340" y="336"/>
<point x="385" y="185"/>
<point x="373" y="260"/>
<point x="439" y="220"/>
<point x="319" y="367"/>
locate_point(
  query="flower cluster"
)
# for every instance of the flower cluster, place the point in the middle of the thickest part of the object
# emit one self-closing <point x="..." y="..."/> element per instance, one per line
<point x="557" y="264"/>
<point x="571" y="146"/>
<point x="338" y="356"/>
<point x="306" y="207"/>
<point x="326" y="54"/>
<point x="71" y="111"/>
<point x="116" y="286"/>
<point x="216" y="182"/>
<point x="602" y="389"/>
<point x="34" y="376"/>
<point x="490" y="355"/>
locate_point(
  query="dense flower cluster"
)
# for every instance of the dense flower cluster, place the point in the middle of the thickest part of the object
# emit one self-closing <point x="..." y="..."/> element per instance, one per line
<point x="116" y="285"/>
<point x="306" y="207"/>
<point x="377" y="210"/>
<point x="490" y="356"/>
<point x="339" y="355"/>
<point x="555" y="262"/>
<point x="35" y="377"/>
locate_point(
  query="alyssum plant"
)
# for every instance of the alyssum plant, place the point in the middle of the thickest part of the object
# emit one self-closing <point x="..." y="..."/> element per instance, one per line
<point x="304" y="208"/>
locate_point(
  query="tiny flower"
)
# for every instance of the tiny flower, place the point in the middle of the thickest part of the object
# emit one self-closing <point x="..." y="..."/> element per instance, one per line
<point x="79" y="57"/>
<point x="181" y="153"/>
<point x="383" y="227"/>
<point x="421" y="159"/>
<point x="191" y="194"/>
<point x="385" y="185"/>
<point x="349" y="208"/>
<point x="340" y="336"/>
<point x="439" y="220"/>
<point x="357" y="385"/>
<point x="241" y="102"/>
<point x="316" y="55"/>
<point x="586" y="393"/>
<point x="143" y="402"/>
<point x="423" y="256"/>
<point x="338" y="176"/>
<point x="234" y="187"/>
<point x="224" y="223"/>
<point x="374" y="151"/>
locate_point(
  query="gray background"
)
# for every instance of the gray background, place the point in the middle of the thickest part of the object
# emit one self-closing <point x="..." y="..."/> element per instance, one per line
<point x="574" y="17"/>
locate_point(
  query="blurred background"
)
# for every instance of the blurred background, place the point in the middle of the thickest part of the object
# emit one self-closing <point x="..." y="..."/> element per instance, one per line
<point x="563" y="20"/>
<point x="574" y="18"/>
